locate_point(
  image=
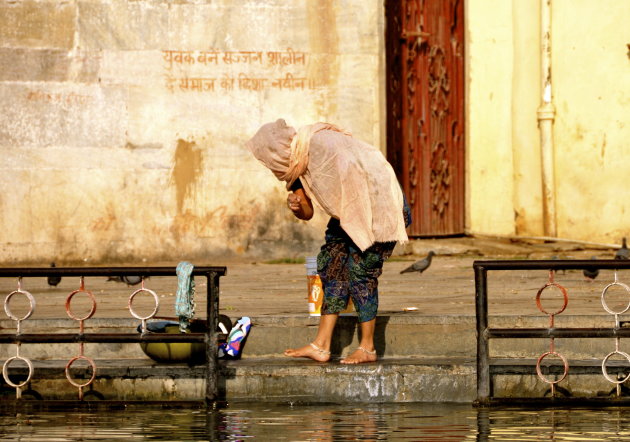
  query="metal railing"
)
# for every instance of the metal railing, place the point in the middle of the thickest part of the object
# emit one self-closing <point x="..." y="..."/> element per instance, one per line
<point x="210" y="338"/>
<point x="488" y="367"/>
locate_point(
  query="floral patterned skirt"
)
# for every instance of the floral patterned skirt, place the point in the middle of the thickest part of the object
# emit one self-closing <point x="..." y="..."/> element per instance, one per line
<point x="346" y="272"/>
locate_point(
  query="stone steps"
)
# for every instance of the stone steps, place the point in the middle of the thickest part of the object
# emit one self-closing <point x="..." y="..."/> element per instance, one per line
<point x="304" y="381"/>
<point x="421" y="358"/>
<point x="396" y="336"/>
<point x="254" y="379"/>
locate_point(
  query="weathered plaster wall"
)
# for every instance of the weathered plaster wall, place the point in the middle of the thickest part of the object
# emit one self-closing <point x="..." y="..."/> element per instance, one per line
<point x="591" y="88"/>
<point x="123" y="122"/>
<point x="489" y="116"/>
<point x="591" y="68"/>
<point x="525" y="79"/>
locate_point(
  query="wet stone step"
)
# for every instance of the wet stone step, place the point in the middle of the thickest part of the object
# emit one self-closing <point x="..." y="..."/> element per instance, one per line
<point x="305" y="381"/>
<point x="294" y="380"/>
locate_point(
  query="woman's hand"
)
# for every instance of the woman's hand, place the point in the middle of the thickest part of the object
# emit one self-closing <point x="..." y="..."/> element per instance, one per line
<point x="293" y="201"/>
<point x="300" y="204"/>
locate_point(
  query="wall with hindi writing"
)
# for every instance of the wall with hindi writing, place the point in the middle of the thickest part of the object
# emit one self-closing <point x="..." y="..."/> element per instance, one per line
<point x="123" y="126"/>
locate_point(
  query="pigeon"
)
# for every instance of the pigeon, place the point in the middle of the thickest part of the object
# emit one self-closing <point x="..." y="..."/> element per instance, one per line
<point x="132" y="280"/>
<point x="591" y="273"/>
<point x="623" y="252"/>
<point x="129" y="280"/>
<point x="420" y="266"/>
<point x="53" y="281"/>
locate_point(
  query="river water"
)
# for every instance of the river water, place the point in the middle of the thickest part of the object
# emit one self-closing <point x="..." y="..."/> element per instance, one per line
<point x="282" y="422"/>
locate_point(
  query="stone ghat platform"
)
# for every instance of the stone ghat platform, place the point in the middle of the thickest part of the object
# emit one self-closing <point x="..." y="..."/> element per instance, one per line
<point x="428" y="354"/>
<point x="421" y="359"/>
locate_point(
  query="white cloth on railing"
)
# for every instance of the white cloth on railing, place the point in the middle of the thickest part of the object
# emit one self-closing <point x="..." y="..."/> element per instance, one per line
<point x="185" y="299"/>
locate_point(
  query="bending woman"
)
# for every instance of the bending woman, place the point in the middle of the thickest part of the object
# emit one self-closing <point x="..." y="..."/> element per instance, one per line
<point x="354" y="184"/>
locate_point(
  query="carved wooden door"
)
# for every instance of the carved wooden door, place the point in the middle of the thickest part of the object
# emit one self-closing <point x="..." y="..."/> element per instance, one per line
<point x="425" y="104"/>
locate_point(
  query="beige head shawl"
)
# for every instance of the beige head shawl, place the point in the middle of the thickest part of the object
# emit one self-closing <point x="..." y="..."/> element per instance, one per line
<point x="271" y="145"/>
<point x="284" y="152"/>
<point x="349" y="179"/>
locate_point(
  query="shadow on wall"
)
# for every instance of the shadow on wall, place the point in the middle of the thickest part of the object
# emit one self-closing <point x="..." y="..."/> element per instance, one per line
<point x="275" y="233"/>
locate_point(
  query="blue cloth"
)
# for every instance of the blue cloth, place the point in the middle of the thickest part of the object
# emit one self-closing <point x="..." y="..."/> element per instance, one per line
<point x="233" y="347"/>
<point x="185" y="299"/>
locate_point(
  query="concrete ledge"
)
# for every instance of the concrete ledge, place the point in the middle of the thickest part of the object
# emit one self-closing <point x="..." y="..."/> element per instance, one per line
<point x="421" y="358"/>
<point x="305" y="381"/>
<point x="397" y="335"/>
<point x="388" y="380"/>
<point x="419" y="336"/>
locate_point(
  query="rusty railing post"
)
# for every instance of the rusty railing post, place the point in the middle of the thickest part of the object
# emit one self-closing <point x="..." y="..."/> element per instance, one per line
<point x="483" y="360"/>
<point x="212" y="313"/>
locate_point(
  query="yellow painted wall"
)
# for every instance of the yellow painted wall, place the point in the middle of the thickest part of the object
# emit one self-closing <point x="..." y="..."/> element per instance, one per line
<point x="590" y="90"/>
<point x="591" y="69"/>
<point x="489" y="49"/>
<point x="525" y="102"/>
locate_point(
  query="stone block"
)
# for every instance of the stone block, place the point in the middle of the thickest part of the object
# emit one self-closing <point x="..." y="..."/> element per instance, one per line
<point x="48" y="65"/>
<point x="35" y="24"/>
<point x="123" y="25"/>
<point x="411" y="380"/>
<point x="395" y="336"/>
<point x="63" y="115"/>
<point x="229" y="25"/>
<point x="14" y="228"/>
<point x="144" y="69"/>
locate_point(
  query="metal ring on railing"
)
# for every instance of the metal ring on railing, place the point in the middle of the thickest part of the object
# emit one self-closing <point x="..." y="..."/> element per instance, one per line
<point x="69" y="299"/>
<point x="5" y="371"/>
<point x="31" y="301"/>
<point x="603" y="298"/>
<point x="539" y="371"/>
<point x="152" y="314"/>
<point x="605" y="371"/>
<point x="564" y="294"/>
<point x="71" y="361"/>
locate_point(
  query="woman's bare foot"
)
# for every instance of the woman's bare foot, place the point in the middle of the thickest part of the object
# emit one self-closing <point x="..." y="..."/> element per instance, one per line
<point x="360" y="356"/>
<point x="311" y="351"/>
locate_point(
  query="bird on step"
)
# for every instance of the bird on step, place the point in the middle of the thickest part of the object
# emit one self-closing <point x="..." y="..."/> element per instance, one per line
<point x="129" y="280"/>
<point x="132" y="280"/>
<point x="53" y="281"/>
<point x="590" y="273"/>
<point x="420" y="266"/>
<point x="623" y="252"/>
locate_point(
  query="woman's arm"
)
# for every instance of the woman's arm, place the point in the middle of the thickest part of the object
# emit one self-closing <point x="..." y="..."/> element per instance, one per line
<point x="300" y="204"/>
